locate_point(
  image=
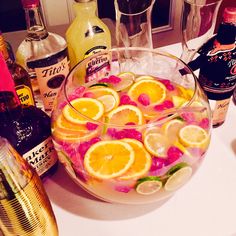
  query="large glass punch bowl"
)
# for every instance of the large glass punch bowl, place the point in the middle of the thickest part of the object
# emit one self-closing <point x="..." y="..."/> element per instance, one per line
<point x="131" y="125"/>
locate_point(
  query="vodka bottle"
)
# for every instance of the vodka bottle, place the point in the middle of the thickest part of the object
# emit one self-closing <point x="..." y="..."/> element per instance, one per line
<point x="44" y="55"/>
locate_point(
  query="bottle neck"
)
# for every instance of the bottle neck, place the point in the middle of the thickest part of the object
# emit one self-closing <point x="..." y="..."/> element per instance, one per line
<point x="35" y="25"/>
<point x="226" y="33"/>
<point x="8" y="97"/>
<point x="3" y="49"/>
<point x="85" y="9"/>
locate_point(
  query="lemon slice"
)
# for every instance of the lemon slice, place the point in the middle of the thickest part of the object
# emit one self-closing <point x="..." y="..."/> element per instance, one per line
<point x="186" y="93"/>
<point x="108" y="101"/>
<point x="148" y="185"/>
<point x="127" y="79"/>
<point x="108" y="96"/>
<point x="155" y="90"/>
<point x="109" y="159"/>
<point x="172" y="128"/>
<point x="152" y="130"/>
<point x="194" y="136"/>
<point x="157" y="144"/>
<point x="179" y="101"/>
<point x="85" y="108"/>
<point x="126" y="114"/>
<point x="178" y="178"/>
<point x="142" y="160"/>
<point x="144" y="77"/>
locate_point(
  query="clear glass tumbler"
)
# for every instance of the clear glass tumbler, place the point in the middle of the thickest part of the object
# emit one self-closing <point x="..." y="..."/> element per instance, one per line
<point x="198" y="24"/>
<point x="133" y="23"/>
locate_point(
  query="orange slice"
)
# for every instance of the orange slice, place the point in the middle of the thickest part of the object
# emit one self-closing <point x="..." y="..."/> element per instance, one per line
<point x="63" y="125"/>
<point x="142" y="160"/>
<point x="108" y="159"/>
<point x="155" y="90"/>
<point x="84" y="108"/>
<point x="126" y="114"/>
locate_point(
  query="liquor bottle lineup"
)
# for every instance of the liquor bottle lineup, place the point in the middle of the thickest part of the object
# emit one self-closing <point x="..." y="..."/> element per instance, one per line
<point x="30" y="82"/>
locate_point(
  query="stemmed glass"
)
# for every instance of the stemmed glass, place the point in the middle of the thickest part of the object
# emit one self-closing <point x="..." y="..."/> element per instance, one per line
<point x="198" y="24"/>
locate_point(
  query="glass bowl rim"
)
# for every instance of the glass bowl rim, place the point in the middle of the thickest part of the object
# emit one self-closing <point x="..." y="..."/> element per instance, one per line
<point x="168" y="113"/>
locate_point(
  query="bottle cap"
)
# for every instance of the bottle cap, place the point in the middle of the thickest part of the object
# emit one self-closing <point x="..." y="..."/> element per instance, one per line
<point x="30" y="3"/>
<point x="229" y="15"/>
<point x="6" y="81"/>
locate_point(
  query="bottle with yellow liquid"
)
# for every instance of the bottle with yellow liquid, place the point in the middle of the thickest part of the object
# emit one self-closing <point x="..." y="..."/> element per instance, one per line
<point x="87" y="34"/>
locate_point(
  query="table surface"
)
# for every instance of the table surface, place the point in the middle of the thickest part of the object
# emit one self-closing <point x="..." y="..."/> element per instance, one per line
<point x="205" y="206"/>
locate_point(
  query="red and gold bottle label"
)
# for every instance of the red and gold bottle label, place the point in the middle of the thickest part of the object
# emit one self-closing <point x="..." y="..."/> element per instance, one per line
<point x="25" y="95"/>
<point x="50" y="79"/>
<point x="42" y="157"/>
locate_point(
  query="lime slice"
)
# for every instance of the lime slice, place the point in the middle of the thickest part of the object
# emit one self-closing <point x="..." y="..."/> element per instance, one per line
<point x="148" y="185"/>
<point x="178" y="179"/>
<point x="176" y="167"/>
<point x="98" y="84"/>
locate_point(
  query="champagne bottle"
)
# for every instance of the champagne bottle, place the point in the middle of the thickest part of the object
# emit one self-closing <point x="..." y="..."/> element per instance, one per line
<point x="19" y="74"/>
<point x="44" y="55"/>
<point x="25" y="208"/>
<point x="27" y="128"/>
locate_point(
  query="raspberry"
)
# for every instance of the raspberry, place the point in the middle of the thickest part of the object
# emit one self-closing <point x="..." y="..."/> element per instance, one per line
<point x="133" y="103"/>
<point x="188" y="117"/>
<point x="123" y="189"/>
<point x="94" y="140"/>
<point x="103" y="80"/>
<point x="144" y="99"/>
<point x="88" y="95"/>
<point x="79" y="90"/>
<point x="168" y="104"/>
<point x="111" y="132"/>
<point x="114" y="79"/>
<point x="83" y="148"/>
<point x="160" y="107"/>
<point x="173" y="154"/>
<point x="204" y="123"/>
<point x="170" y="87"/>
<point x="124" y="99"/>
<point x="157" y="163"/>
<point x="91" y="126"/>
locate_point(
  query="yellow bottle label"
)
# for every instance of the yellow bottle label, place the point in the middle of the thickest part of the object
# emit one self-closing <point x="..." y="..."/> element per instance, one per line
<point x="98" y="66"/>
<point x="25" y="95"/>
<point x="42" y="157"/>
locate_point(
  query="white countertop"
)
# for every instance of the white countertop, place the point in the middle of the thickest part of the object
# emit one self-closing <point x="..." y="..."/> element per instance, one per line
<point x="205" y="206"/>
